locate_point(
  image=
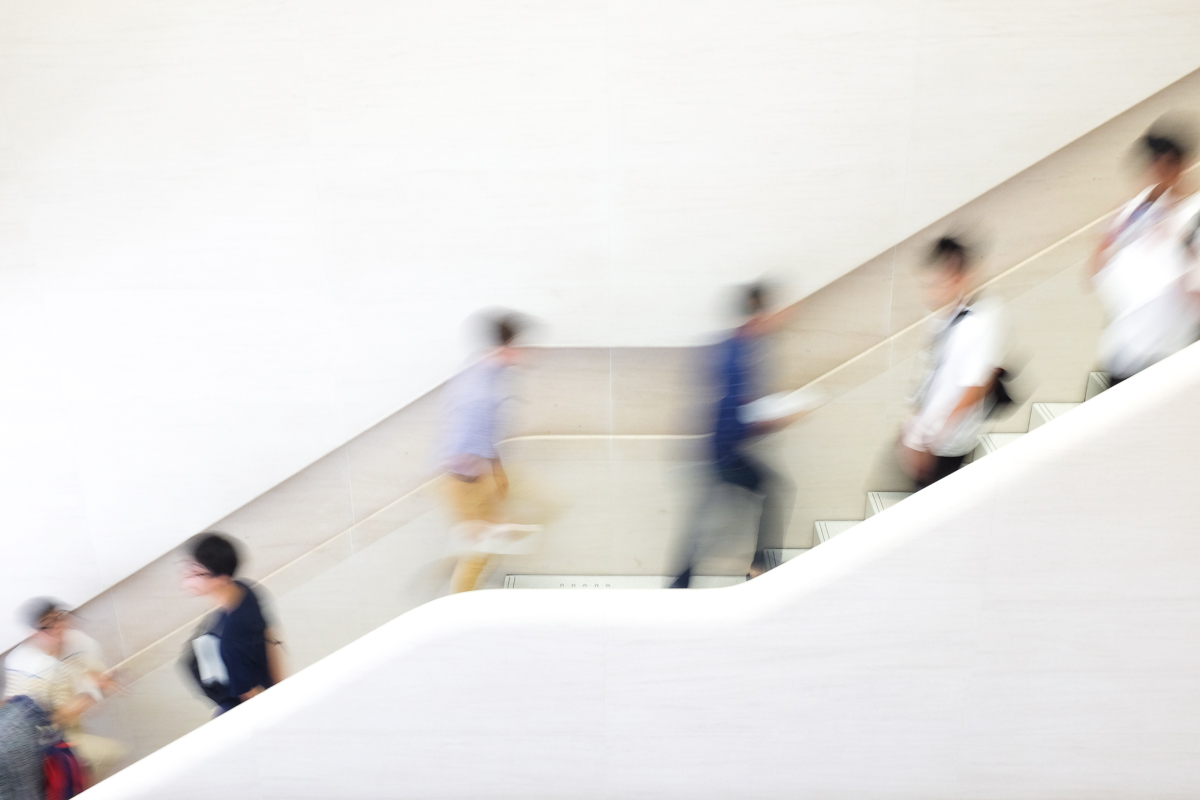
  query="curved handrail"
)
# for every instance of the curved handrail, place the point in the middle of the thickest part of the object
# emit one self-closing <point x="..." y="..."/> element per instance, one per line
<point x="915" y="643"/>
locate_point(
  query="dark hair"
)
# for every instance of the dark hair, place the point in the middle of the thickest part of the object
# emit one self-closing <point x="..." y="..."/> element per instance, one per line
<point x="949" y="252"/>
<point x="506" y="328"/>
<point x="754" y="298"/>
<point x="215" y="552"/>
<point x="37" y="609"/>
<point x="1161" y="145"/>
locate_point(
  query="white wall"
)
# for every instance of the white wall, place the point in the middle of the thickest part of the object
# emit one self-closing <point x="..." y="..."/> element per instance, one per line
<point x="1026" y="628"/>
<point x="233" y="234"/>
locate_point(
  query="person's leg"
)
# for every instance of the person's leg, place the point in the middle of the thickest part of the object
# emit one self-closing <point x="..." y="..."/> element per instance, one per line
<point x="693" y="528"/>
<point x="942" y="466"/>
<point x="466" y="573"/>
<point x="473" y="498"/>
<point x="476" y="504"/>
<point x="778" y="497"/>
<point x="746" y="473"/>
<point x="98" y="753"/>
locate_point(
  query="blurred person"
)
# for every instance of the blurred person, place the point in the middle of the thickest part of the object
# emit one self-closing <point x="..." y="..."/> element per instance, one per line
<point x="235" y="655"/>
<point x="476" y="484"/>
<point x="961" y="385"/>
<point x="62" y="670"/>
<point x="738" y="382"/>
<point x="1140" y="269"/>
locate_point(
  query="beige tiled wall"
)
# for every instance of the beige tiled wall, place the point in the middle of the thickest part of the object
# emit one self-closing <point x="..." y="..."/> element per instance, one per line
<point x="611" y="505"/>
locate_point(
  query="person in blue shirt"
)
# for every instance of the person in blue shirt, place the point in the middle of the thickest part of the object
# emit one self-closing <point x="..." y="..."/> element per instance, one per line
<point x="236" y="654"/>
<point x="738" y="383"/>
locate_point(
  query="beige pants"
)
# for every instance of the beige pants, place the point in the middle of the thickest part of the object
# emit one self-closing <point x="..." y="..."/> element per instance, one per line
<point x="481" y="500"/>
<point x="470" y="501"/>
<point x="101" y="755"/>
<point x="473" y="500"/>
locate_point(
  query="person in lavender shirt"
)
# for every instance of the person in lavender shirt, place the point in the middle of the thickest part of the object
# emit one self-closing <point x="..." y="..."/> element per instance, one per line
<point x="476" y="484"/>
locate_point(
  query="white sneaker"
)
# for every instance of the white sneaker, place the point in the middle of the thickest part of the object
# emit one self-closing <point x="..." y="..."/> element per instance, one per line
<point x="509" y="538"/>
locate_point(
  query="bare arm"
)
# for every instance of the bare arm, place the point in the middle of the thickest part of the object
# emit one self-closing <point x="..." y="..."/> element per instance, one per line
<point x="69" y="713"/>
<point x="971" y="396"/>
<point x="1099" y="257"/>
<point x="919" y="464"/>
<point x="276" y="664"/>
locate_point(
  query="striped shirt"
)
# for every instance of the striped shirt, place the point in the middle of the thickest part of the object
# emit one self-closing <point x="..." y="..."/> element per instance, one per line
<point x="53" y="682"/>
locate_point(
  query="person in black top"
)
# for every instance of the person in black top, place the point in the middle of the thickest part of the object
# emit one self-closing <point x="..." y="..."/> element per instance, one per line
<point x="235" y="655"/>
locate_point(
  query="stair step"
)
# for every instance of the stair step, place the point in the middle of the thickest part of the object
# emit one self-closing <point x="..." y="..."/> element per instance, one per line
<point x="880" y="501"/>
<point x="1044" y="412"/>
<point x="1097" y="383"/>
<point x="991" y="442"/>
<point x="615" y="581"/>
<point x="826" y="529"/>
<point x="774" y="556"/>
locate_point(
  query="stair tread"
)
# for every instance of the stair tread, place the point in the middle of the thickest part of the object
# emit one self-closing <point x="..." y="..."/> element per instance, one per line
<point x="991" y="442"/>
<point x="1097" y="382"/>
<point x="774" y="556"/>
<point x="826" y="529"/>
<point x="881" y="501"/>
<point x="1058" y="407"/>
<point x="1041" y="413"/>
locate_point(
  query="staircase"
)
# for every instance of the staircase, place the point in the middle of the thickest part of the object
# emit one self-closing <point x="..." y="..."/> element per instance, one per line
<point x="954" y="647"/>
<point x="823" y="530"/>
<point x="989" y="443"/>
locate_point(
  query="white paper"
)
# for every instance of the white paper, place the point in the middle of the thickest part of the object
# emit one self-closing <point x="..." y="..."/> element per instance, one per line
<point x="208" y="658"/>
<point x="780" y="405"/>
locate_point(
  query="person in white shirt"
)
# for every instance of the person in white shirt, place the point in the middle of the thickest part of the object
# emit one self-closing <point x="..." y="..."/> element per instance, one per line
<point x="963" y="366"/>
<point x="1140" y="269"/>
<point x="62" y="670"/>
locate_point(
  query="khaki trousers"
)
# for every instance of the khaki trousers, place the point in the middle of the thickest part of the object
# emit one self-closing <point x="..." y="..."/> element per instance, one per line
<point x="471" y="501"/>
<point x="101" y="755"/>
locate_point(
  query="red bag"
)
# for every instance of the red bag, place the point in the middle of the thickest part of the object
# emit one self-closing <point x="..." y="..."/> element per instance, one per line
<point x="64" y="774"/>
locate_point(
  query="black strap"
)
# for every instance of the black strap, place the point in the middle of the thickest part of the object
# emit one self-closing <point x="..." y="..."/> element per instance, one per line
<point x="963" y="312"/>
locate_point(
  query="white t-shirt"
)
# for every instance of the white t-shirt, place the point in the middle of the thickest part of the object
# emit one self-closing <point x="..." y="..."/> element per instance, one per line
<point x="1143" y="285"/>
<point x="966" y="350"/>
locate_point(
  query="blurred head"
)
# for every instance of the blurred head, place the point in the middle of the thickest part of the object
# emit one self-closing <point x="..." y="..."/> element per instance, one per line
<point x="949" y="272"/>
<point x="754" y="304"/>
<point x="504" y="330"/>
<point x="49" y="621"/>
<point x="211" y="562"/>
<point x="1166" y="157"/>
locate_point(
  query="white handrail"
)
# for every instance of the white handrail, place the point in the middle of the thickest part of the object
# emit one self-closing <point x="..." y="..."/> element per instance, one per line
<point x="1022" y="628"/>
